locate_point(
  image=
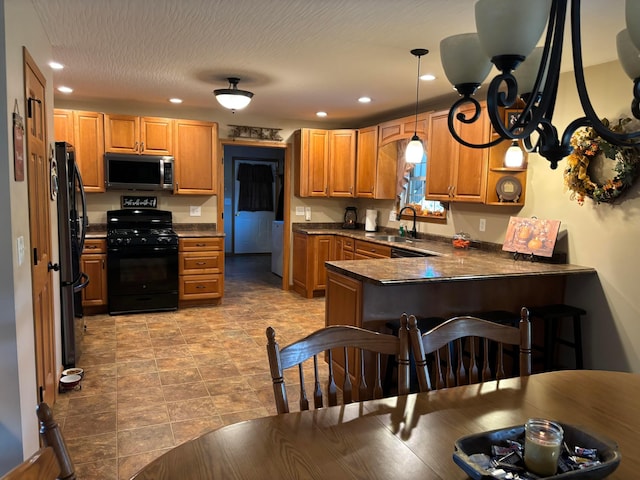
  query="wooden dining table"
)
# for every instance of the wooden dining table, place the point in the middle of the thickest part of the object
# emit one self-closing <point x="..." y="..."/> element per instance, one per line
<point x="412" y="436"/>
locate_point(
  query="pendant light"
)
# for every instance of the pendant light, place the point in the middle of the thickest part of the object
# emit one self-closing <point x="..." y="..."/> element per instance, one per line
<point x="231" y="97"/>
<point x="415" y="148"/>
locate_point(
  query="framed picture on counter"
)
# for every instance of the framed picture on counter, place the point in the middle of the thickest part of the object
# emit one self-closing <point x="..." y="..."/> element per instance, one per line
<point x="533" y="236"/>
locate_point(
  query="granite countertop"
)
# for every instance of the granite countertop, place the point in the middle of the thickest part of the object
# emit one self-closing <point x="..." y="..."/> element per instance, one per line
<point x="459" y="265"/>
<point x="444" y="263"/>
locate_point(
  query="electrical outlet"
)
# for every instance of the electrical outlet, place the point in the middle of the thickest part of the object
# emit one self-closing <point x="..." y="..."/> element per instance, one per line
<point x="300" y="211"/>
<point x="307" y="214"/>
<point x="195" y="211"/>
<point x="483" y="225"/>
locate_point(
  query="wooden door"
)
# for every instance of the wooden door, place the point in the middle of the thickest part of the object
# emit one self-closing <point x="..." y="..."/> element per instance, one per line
<point x="156" y="136"/>
<point x="89" y="145"/>
<point x="470" y="170"/>
<point x="366" y="156"/>
<point x="342" y="162"/>
<point x="441" y="154"/>
<point x="196" y="167"/>
<point x="121" y="134"/>
<point x="38" y="178"/>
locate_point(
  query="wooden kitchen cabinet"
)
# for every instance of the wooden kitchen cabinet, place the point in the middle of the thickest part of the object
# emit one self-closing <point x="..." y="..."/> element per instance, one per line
<point x="366" y="250"/>
<point x="403" y="129"/>
<point x="201" y="270"/>
<point x="309" y="254"/>
<point x="195" y="152"/>
<point x="375" y="169"/>
<point x="85" y="131"/>
<point x="456" y="173"/>
<point x="324" y="162"/>
<point x="93" y="262"/>
<point x="138" y="135"/>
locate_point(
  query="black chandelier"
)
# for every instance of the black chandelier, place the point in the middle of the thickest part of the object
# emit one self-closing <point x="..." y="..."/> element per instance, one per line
<point x="507" y="34"/>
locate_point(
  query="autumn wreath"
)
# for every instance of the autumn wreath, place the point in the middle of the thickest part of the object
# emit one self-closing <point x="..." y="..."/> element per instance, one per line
<point x="590" y="171"/>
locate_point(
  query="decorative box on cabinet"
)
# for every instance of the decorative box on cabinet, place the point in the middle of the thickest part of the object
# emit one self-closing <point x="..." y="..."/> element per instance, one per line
<point x="309" y="254"/>
<point x="456" y="173"/>
<point x="403" y="129"/>
<point x="196" y="165"/>
<point x="93" y="262"/>
<point x="85" y="131"/>
<point x="138" y="135"/>
<point x="201" y="270"/>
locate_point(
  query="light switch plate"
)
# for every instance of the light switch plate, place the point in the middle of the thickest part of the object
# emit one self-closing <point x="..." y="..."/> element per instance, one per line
<point x="307" y="214"/>
<point x="195" y="211"/>
<point x="392" y="216"/>
<point x="300" y="211"/>
<point x="20" y="247"/>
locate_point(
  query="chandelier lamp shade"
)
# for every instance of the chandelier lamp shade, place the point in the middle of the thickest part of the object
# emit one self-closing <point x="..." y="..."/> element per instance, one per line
<point x="232" y="97"/>
<point x="507" y="34"/>
<point x="415" y="149"/>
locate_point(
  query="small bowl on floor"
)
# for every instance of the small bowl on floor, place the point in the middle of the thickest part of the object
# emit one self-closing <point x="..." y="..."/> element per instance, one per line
<point x="73" y="371"/>
<point x="69" y="381"/>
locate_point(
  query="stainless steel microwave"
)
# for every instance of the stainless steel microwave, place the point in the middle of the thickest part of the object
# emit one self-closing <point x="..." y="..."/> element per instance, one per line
<point x="138" y="172"/>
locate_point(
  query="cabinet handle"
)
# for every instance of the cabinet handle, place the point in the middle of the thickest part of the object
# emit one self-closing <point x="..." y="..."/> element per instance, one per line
<point x="103" y="264"/>
<point x="201" y="244"/>
<point x="135" y="147"/>
<point x="90" y="247"/>
<point x="141" y="147"/>
<point x="200" y="286"/>
<point x="201" y="263"/>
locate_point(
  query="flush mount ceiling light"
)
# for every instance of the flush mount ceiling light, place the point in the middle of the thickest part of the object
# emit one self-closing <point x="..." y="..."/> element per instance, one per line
<point x="233" y="98"/>
<point x="507" y="34"/>
<point x="415" y="149"/>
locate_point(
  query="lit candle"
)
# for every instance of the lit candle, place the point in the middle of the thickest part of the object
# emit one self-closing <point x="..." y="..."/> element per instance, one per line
<point x="543" y="441"/>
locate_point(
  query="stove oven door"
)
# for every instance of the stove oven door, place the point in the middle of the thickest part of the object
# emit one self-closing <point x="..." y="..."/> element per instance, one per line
<point x="142" y="278"/>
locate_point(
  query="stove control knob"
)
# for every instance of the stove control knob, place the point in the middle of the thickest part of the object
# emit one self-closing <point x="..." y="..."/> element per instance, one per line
<point x="127" y="241"/>
<point x="143" y="240"/>
<point x="118" y="241"/>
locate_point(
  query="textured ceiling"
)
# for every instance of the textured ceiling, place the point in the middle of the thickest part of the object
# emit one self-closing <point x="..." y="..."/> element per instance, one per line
<point x="297" y="56"/>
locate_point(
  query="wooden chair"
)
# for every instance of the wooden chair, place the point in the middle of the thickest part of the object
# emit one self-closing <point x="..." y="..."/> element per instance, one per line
<point x="368" y="348"/>
<point x="51" y="436"/>
<point x="42" y="465"/>
<point x="461" y="350"/>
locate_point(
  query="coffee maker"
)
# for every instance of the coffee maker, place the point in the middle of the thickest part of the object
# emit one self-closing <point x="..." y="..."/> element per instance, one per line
<point x="350" y="217"/>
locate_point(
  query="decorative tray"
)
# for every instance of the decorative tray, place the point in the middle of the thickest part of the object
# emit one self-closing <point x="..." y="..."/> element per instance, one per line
<point x="481" y="443"/>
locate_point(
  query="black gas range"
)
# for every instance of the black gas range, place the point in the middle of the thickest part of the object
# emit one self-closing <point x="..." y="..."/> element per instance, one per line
<point x="142" y="266"/>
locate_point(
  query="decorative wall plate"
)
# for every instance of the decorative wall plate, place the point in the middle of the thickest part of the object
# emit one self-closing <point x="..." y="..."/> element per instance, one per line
<point x="509" y="189"/>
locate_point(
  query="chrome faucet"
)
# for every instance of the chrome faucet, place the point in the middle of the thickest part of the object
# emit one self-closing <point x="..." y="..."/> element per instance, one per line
<point x="414" y="233"/>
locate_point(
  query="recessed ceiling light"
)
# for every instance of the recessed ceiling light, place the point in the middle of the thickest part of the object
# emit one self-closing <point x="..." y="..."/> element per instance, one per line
<point x="364" y="99"/>
<point x="427" y="77"/>
<point x="56" y="65"/>
<point x="64" y="89"/>
<point x="175" y="100"/>
<point x="321" y="114"/>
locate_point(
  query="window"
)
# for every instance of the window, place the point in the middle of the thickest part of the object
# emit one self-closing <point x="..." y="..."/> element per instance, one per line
<point x="413" y="195"/>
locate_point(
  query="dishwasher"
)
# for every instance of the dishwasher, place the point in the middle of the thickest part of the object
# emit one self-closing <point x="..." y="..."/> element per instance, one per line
<point x="400" y="253"/>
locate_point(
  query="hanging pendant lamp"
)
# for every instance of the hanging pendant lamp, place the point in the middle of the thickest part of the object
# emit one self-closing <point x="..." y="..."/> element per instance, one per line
<point x="233" y="98"/>
<point x="415" y="148"/>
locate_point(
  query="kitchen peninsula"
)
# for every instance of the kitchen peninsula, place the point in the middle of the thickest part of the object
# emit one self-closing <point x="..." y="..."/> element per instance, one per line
<point x="369" y="293"/>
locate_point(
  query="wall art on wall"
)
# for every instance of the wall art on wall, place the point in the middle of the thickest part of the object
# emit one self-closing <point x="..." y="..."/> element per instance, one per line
<point x="127" y="201"/>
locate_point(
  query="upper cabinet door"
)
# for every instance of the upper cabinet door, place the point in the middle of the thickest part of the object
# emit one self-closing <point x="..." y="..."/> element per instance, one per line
<point x="311" y="148"/>
<point x="121" y="134"/>
<point x="342" y="162"/>
<point x="138" y="135"/>
<point x="196" y="162"/>
<point x="89" y="146"/>
<point x="156" y="136"/>
<point x="83" y="130"/>
<point x="367" y="154"/>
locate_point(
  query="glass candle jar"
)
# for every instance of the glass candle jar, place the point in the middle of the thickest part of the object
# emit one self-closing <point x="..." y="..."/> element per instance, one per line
<point x="542" y="445"/>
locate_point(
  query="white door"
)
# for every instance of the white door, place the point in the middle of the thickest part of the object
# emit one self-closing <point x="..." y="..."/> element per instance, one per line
<point x="252" y="230"/>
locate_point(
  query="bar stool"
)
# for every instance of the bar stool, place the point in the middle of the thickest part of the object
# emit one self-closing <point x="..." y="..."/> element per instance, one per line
<point x="424" y="325"/>
<point x="552" y="315"/>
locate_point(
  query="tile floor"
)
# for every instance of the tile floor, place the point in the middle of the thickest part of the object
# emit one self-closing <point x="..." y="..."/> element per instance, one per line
<point x="155" y="380"/>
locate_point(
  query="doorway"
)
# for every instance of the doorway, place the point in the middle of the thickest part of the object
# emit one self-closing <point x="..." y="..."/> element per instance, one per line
<point x="237" y="237"/>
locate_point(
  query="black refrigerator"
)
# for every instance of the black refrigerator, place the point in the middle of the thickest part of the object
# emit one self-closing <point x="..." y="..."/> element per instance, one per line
<point x="72" y="224"/>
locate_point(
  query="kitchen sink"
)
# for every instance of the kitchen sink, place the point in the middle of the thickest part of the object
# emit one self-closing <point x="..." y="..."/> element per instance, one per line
<point x="390" y="238"/>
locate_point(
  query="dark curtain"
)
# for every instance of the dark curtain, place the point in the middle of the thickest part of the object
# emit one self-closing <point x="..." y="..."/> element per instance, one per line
<point x="256" y="188"/>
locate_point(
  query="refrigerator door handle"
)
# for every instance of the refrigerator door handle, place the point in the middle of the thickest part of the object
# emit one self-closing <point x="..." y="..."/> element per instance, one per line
<point x="83" y="199"/>
<point x="84" y="282"/>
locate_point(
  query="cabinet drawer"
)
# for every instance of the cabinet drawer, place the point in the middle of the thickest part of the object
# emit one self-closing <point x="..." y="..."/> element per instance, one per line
<point x="201" y="243"/>
<point x="348" y="244"/>
<point x="194" y="287"/>
<point x="201" y="262"/>
<point x="94" y="245"/>
<point x="372" y="249"/>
